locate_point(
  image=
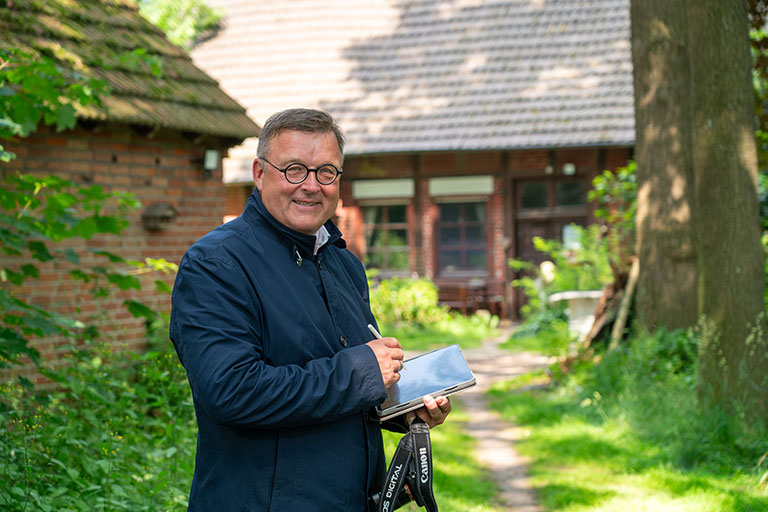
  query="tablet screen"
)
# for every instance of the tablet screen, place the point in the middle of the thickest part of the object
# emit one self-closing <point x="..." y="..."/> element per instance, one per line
<point x="443" y="371"/>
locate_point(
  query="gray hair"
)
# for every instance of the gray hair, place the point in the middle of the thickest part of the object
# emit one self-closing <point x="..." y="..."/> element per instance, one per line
<point x="299" y="119"/>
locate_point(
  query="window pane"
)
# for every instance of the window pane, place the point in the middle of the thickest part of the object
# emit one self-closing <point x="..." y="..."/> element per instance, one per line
<point x="450" y="236"/>
<point x="477" y="259"/>
<point x="450" y="212"/>
<point x="374" y="259"/>
<point x="476" y="234"/>
<point x="373" y="237"/>
<point x="569" y="193"/>
<point x="397" y="214"/>
<point x="450" y="260"/>
<point x="533" y="194"/>
<point x="398" y="260"/>
<point x="397" y="238"/>
<point x="372" y="214"/>
<point x="474" y="212"/>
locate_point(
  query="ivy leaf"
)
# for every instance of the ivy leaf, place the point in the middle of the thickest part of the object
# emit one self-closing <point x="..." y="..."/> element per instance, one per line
<point x="39" y="251"/>
<point x="162" y="286"/>
<point x="124" y="282"/>
<point x="66" y="119"/>
<point x="139" y="310"/>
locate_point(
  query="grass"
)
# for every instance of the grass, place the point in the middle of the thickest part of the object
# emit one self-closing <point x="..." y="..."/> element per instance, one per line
<point x="467" y="332"/>
<point x="625" y="434"/>
<point x="460" y="484"/>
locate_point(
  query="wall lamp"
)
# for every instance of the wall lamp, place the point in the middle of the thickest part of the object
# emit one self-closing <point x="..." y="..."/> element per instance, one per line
<point x="210" y="163"/>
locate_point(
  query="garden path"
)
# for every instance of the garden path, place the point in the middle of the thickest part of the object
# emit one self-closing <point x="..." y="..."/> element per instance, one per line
<point x="496" y="437"/>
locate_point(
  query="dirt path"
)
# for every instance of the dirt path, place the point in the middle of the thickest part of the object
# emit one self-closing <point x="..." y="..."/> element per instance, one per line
<point x="496" y="437"/>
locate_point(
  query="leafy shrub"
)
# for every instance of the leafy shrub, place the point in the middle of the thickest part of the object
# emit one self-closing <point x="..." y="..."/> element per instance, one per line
<point x="408" y="309"/>
<point x="615" y="198"/>
<point x="402" y="300"/>
<point x="585" y="266"/>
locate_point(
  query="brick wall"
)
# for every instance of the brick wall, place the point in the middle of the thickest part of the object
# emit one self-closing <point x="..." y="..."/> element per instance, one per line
<point x="165" y="166"/>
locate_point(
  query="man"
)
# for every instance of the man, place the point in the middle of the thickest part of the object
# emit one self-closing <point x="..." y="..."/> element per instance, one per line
<point x="269" y="319"/>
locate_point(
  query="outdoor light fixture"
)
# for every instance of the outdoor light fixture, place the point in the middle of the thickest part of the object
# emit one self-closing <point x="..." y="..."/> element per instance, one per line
<point x="210" y="163"/>
<point x="569" y="169"/>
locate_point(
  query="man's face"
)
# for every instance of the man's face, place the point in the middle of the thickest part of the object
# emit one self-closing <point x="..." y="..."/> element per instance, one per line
<point x="306" y="206"/>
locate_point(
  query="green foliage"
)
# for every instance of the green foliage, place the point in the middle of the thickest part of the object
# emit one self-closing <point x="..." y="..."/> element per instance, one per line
<point x="402" y="300"/>
<point x="183" y="21"/>
<point x="615" y="197"/>
<point x="629" y="425"/>
<point x="117" y="433"/>
<point x="408" y="309"/>
<point x="36" y="89"/>
<point x="583" y="267"/>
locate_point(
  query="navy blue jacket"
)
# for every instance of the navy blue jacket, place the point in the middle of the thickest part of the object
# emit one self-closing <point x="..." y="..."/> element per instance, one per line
<point x="272" y="339"/>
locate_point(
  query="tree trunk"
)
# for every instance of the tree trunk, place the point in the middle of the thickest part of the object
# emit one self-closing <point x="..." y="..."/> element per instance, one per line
<point x="666" y="290"/>
<point x="733" y="358"/>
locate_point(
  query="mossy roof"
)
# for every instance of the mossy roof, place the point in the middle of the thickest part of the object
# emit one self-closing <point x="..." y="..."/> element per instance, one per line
<point x="96" y="38"/>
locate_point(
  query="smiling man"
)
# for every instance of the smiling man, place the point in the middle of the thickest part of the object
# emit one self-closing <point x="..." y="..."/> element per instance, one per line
<point x="270" y="315"/>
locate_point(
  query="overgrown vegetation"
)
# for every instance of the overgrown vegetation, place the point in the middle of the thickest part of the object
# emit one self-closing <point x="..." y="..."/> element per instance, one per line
<point x="116" y="433"/>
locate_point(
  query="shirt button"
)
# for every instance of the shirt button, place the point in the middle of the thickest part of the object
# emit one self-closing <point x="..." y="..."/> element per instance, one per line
<point x="343" y="340"/>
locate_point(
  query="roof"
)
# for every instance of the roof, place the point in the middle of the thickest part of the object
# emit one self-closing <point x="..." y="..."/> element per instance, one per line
<point x="93" y="38"/>
<point x="431" y="75"/>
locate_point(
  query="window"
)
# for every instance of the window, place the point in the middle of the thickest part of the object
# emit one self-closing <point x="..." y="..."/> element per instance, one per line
<point x="462" y="237"/>
<point x="386" y="237"/>
<point x="552" y="194"/>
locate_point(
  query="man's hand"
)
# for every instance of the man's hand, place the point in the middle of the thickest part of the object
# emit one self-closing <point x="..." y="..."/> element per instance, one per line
<point x="390" y="355"/>
<point x="434" y="412"/>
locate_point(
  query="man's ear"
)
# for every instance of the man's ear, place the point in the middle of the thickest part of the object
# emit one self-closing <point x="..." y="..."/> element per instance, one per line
<point x="258" y="173"/>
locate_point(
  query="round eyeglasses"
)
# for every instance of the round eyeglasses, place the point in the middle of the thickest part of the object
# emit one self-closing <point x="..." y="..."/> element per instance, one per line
<point x="296" y="173"/>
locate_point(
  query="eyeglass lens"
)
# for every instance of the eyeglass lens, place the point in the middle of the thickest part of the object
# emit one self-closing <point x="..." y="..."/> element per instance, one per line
<point x="296" y="173"/>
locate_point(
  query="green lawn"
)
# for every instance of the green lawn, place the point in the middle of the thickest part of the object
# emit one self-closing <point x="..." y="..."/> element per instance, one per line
<point x="592" y="453"/>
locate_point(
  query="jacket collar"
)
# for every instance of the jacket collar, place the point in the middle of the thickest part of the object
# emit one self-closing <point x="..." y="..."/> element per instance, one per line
<point x="255" y="209"/>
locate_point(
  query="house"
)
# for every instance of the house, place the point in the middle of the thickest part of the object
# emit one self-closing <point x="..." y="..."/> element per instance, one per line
<point x="161" y="138"/>
<point x="472" y="125"/>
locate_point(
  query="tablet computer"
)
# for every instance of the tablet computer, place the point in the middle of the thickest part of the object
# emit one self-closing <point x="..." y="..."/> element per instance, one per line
<point x="441" y="372"/>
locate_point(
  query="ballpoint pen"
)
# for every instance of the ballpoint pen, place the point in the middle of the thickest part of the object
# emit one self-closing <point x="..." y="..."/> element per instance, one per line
<point x="378" y="336"/>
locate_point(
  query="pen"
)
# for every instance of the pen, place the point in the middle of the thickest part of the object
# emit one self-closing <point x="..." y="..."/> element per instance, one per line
<point x="378" y="337"/>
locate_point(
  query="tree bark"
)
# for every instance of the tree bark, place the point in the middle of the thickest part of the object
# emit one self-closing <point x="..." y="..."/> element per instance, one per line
<point x="733" y="357"/>
<point x="666" y="290"/>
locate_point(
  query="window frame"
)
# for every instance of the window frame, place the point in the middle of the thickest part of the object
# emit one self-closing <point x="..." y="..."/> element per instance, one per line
<point x="387" y="227"/>
<point x="464" y="247"/>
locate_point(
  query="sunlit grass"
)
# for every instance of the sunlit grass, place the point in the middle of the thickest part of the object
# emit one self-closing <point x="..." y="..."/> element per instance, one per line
<point x="585" y="457"/>
<point x="467" y="332"/>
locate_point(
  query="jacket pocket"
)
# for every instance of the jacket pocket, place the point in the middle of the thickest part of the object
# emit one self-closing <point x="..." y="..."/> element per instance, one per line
<point x="284" y="480"/>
